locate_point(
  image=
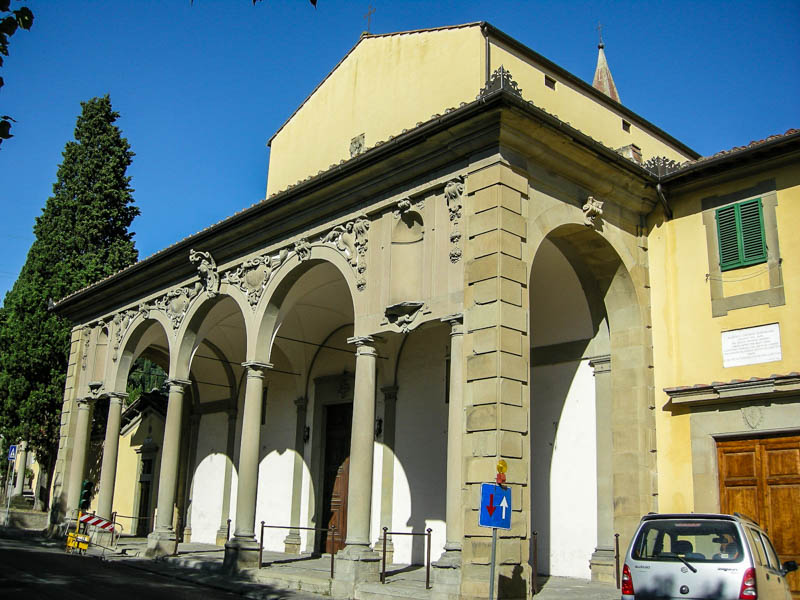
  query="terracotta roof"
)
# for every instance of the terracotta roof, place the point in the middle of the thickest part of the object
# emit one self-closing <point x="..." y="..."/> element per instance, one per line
<point x="750" y="146"/>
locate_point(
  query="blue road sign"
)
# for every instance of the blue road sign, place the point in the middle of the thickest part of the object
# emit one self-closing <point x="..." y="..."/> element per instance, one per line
<point x="495" y="506"/>
<point x="12" y="452"/>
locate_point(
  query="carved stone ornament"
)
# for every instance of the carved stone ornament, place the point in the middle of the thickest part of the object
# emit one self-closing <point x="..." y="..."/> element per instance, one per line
<point x="122" y="322"/>
<point x="351" y="240"/>
<point x="661" y="165"/>
<point x="175" y="303"/>
<point x="207" y="269"/>
<point x="592" y="211"/>
<point x="253" y="275"/>
<point x="500" y="80"/>
<point x="453" y="192"/>
<point x="86" y="332"/>
<point x="357" y="145"/>
<point x="303" y="249"/>
<point x="403" y="314"/>
<point x="752" y="416"/>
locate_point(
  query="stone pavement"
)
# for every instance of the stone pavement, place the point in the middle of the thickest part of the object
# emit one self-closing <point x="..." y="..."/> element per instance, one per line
<point x="303" y="578"/>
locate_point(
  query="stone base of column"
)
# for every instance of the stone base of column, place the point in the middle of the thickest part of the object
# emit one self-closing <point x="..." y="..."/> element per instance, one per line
<point x="222" y="536"/>
<point x="160" y="543"/>
<point x="292" y="543"/>
<point x="187" y="535"/>
<point x="354" y="565"/>
<point x="389" y="548"/>
<point x="603" y="565"/>
<point x="240" y="553"/>
<point x="447" y="575"/>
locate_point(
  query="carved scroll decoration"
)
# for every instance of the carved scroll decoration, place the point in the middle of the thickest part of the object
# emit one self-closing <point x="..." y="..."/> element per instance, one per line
<point x="592" y="211"/>
<point x="453" y="192"/>
<point x="86" y="332"/>
<point x="351" y="240"/>
<point x="207" y="269"/>
<point x="122" y="322"/>
<point x="253" y="275"/>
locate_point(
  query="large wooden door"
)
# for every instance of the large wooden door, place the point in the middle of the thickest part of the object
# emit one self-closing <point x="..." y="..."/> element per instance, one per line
<point x="338" y="423"/>
<point x="761" y="479"/>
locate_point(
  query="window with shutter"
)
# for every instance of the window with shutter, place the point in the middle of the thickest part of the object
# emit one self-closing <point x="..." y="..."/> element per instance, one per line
<point x="740" y="232"/>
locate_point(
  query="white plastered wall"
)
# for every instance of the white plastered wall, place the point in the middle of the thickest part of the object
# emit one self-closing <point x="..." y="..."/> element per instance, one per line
<point x="209" y="477"/>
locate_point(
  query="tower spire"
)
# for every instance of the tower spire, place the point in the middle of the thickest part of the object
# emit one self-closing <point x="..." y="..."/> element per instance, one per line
<point x="602" y="74"/>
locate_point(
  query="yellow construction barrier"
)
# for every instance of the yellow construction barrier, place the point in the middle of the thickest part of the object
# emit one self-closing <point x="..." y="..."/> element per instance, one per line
<point x="77" y="541"/>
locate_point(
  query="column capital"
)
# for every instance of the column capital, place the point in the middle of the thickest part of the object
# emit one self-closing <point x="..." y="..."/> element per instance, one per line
<point x="365" y="345"/>
<point x="117" y="396"/>
<point x="301" y="402"/>
<point x="601" y="364"/>
<point x="456" y="321"/>
<point x="256" y="369"/>
<point x="389" y="393"/>
<point x="85" y="402"/>
<point x="180" y="383"/>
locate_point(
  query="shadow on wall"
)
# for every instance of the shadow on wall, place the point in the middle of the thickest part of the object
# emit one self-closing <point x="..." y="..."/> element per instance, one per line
<point x="548" y="396"/>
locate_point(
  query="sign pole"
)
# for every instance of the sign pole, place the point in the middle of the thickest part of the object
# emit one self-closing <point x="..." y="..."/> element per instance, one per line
<point x="491" y="563"/>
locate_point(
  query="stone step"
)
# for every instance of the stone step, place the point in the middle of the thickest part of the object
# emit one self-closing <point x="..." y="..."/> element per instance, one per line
<point x="296" y="578"/>
<point x="392" y="590"/>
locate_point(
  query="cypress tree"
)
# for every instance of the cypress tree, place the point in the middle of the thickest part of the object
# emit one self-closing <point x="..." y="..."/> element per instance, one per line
<point x="82" y="236"/>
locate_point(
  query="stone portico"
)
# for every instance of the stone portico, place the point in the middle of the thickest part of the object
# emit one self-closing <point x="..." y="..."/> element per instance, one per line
<point x="362" y="347"/>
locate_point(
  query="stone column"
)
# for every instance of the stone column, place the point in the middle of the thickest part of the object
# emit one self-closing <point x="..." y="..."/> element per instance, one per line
<point x="162" y="539"/>
<point x="357" y="563"/>
<point x="22" y="462"/>
<point x="225" y="513"/>
<point x="451" y="559"/>
<point x="292" y="541"/>
<point x="602" y="561"/>
<point x="108" y="470"/>
<point x="241" y="551"/>
<point x="78" y="466"/>
<point x="387" y="471"/>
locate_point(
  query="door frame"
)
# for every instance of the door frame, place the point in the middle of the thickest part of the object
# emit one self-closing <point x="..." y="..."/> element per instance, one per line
<point x="328" y="389"/>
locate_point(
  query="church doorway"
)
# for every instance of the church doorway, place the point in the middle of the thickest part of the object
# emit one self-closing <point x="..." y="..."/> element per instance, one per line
<point x="338" y="425"/>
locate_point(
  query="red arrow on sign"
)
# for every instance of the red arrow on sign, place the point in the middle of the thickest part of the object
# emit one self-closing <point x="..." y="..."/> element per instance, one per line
<point x="491" y="508"/>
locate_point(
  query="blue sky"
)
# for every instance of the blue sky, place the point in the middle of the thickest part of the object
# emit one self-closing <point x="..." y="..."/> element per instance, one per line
<point x="202" y="86"/>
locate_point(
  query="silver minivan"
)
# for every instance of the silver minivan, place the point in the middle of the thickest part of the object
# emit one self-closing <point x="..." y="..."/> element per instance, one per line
<point x="703" y="556"/>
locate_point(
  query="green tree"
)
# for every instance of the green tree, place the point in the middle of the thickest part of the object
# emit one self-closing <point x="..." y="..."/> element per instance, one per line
<point x="82" y="236"/>
<point x="10" y="22"/>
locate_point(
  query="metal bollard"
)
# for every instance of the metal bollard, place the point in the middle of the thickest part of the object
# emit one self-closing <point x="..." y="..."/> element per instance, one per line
<point x="616" y="556"/>
<point x="261" y="545"/>
<point x="333" y="546"/>
<point x="228" y="531"/>
<point x="383" y="559"/>
<point x="428" y="561"/>
<point x="535" y="562"/>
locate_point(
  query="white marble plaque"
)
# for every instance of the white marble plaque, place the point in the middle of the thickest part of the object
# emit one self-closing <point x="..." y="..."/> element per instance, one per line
<point x="751" y="346"/>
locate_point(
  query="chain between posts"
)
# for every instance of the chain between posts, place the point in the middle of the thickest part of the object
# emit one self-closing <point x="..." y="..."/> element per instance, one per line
<point x="332" y="529"/>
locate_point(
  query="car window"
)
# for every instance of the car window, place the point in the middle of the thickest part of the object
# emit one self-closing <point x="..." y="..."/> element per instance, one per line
<point x="697" y="540"/>
<point x="757" y="546"/>
<point x="774" y="561"/>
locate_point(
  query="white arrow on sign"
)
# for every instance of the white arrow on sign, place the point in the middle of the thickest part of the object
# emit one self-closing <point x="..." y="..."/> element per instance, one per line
<point x="504" y="506"/>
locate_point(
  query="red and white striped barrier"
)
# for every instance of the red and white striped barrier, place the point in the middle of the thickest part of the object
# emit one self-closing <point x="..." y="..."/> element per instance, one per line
<point x="98" y="522"/>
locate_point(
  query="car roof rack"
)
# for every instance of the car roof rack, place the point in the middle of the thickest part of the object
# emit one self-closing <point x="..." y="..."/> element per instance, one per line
<point x="746" y="518"/>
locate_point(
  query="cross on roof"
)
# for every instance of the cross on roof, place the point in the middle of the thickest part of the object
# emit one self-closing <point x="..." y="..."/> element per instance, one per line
<point x="368" y="16"/>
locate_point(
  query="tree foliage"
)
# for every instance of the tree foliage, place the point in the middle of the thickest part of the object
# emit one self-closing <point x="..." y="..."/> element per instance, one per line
<point x="10" y="22"/>
<point x="81" y="236"/>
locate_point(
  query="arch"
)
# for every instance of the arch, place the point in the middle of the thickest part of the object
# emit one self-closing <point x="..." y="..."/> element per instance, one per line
<point x="142" y="332"/>
<point x="281" y="284"/>
<point x="613" y="283"/>
<point x="196" y="327"/>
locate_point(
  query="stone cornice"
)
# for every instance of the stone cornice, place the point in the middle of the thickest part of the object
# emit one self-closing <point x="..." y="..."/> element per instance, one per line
<point x="736" y="390"/>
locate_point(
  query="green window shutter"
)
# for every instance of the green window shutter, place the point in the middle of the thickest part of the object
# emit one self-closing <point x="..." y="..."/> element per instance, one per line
<point x="740" y="233"/>
<point x="727" y="233"/>
<point x="754" y="250"/>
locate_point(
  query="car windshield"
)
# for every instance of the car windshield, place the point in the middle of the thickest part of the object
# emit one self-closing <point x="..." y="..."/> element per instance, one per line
<point x="693" y="540"/>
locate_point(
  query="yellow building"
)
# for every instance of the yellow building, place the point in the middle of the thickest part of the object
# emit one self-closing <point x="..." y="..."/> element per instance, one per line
<point x="726" y="325"/>
<point x="465" y="254"/>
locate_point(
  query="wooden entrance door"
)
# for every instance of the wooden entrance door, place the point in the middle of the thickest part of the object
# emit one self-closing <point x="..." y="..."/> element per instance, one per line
<point x="338" y="424"/>
<point x="761" y="479"/>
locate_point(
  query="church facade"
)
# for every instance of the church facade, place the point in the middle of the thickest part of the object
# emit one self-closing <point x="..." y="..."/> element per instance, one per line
<point x="465" y="255"/>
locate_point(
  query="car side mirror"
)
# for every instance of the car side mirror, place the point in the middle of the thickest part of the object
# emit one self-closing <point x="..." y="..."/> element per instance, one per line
<point x="789" y="566"/>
